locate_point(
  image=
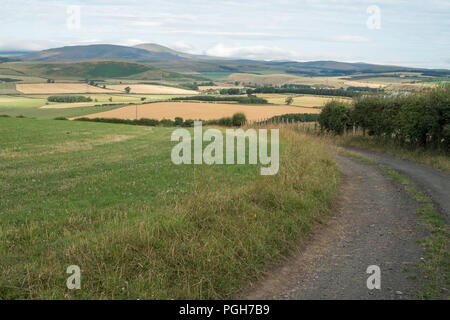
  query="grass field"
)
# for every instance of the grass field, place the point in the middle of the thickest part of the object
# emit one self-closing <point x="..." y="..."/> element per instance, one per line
<point x="35" y="106"/>
<point x="108" y="198"/>
<point x="280" y="79"/>
<point x="59" y="88"/>
<point x="200" y="110"/>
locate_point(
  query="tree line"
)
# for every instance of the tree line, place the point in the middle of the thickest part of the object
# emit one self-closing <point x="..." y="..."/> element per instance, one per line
<point x="420" y="119"/>
<point x="237" y="120"/>
<point x="250" y="99"/>
<point x="313" y="91"/>
<point x="69" y="99"/>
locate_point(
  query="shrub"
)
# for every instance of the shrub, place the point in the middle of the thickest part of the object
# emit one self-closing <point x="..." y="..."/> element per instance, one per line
<point x="239" y="119"/>
<point x="188" y="123"/>
<point x="335" y="117"/>
<point x="419" y="119"/>
<point x="178" y="121"/>
<point x="297" y="117"/>
<point x="243" y="100"/>
<point x="289" y="100"/>
<point x="69" y="99"/>
<point x="167" y="123"/>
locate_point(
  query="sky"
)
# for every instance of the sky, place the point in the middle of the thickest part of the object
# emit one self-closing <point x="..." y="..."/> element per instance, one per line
<point x="412" y="33"/>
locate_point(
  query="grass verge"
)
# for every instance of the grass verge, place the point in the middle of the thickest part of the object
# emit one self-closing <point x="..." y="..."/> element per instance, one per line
<point x="107" y="198"/>
<point x="435" y="159"/>
<point x="436" y="265"/>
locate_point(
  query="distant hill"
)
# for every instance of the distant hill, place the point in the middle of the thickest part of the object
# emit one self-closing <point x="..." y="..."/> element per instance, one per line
<point x="153" y="47"/>
<point x="99" y="52"/>
<point x="93" y="70"/>
<point x="7" y="59"/>
<point x="175" y="61"/>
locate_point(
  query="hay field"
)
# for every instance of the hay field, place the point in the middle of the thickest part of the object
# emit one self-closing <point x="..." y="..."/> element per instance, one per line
<point x="59" y="88"/>
<point x="198" y="110"/>
<point x="205" y="88"/>
<point x="352" y="83"/>
<point x="151" y="89"/>
<point x="307" y="101"/>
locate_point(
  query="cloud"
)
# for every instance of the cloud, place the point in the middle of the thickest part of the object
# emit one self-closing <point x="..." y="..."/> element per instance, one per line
<point x="251" y="52"/>
<point x="185" y="47"/>
<point x="349" y="38"/>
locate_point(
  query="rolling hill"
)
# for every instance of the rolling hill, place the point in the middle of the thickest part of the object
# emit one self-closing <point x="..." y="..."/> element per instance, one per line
<point x="175" y="61"/>
<point x="91" y="70"/>
<point x="100" y="52"/>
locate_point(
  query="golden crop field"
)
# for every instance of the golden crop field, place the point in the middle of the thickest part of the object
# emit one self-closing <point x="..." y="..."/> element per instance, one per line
<point x="150" y="89"/>
<point x="200" y="110"/>
<point x="205" y="88"/>
<point x="307" y="101"/>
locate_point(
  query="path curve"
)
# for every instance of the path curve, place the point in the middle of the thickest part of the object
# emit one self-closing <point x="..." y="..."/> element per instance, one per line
<point x="432" y="182"/>
<point x="375" y="222"/>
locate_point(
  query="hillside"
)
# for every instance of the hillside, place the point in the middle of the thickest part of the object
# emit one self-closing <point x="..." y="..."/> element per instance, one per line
<point x="153" y="47"/>
<point x="99" y="52"/>
<point x="175" y="61"/>
<point x="90" y="70"/>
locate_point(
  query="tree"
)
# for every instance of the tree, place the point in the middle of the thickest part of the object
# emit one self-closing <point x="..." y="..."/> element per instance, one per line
<point x="127" y="89"/>
<point x="289" y="100"/>
<point x="178" y="121"/>
<point x="335" y="117"/>
<point x="239" y="119"/>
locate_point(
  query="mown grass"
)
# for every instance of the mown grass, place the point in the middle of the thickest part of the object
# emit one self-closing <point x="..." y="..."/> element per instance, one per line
<point x="435" y="159"/>
<point x="30" y="105"/>
<point x="107" y="197"/>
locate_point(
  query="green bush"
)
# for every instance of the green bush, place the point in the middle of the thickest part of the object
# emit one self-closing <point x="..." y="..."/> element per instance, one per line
<point x="178" y="121"/>
<point x="242" y="100"/>
<point x="239" y="119"/>
<point x="69" y="99"/>
<point x="419" y="119"/>
<point x="188" y="123"/>
<point x="297" y="117"/>
<point x="335" y="117"/>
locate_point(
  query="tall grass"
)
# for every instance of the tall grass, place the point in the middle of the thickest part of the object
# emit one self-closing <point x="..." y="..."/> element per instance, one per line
<point x="140" y="227"/>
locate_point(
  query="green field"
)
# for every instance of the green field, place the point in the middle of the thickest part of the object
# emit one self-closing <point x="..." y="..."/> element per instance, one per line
<point x="30" y="105"/>
<point x="87" y="70"/>
<point x="107" y="197"/>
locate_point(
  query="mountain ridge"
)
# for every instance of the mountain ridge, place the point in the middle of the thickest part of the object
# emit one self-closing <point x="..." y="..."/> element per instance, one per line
<point x="152" y="53"/>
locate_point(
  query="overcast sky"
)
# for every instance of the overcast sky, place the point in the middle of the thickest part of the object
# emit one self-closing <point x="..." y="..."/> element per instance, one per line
<point x="401" y="32"/>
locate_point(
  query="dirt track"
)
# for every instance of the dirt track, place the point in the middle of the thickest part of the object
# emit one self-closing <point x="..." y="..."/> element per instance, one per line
<point x="375" y="223"/>
<point x="434" y="183"/>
